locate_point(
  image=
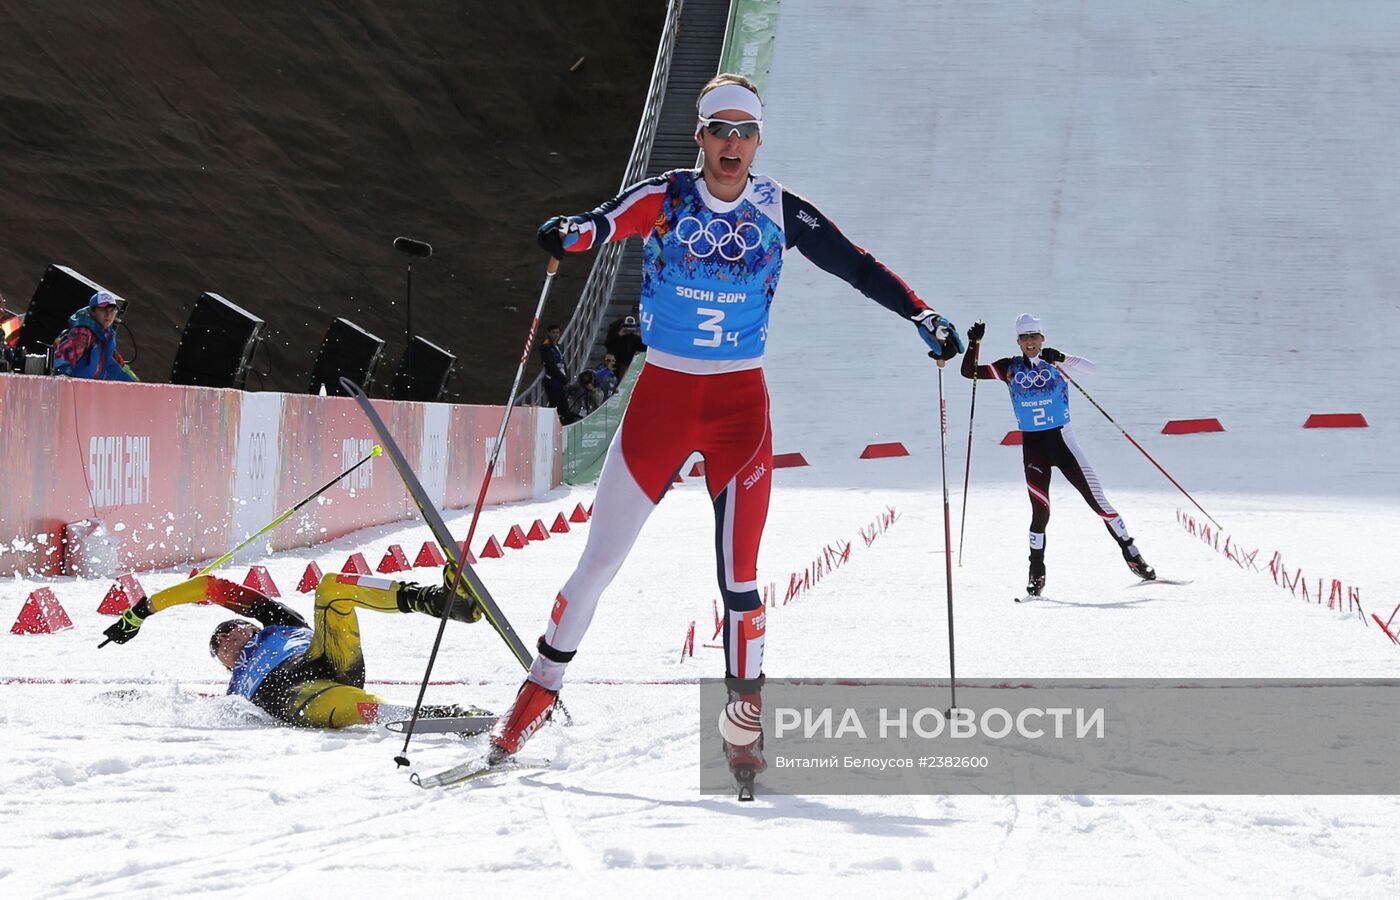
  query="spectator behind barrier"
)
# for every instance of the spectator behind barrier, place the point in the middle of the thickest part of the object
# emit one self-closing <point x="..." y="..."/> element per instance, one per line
<point x="88" y="349"/>
<point x="584" y="397"/>
<point x="606" y="376"/>
<point x="624" y="341"/>
<point x="556" y="372"/>
<point x="11" y="357"/>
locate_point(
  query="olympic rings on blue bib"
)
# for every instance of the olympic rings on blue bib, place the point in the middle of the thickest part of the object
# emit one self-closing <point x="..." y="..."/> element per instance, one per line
<point x="704" y="240"/>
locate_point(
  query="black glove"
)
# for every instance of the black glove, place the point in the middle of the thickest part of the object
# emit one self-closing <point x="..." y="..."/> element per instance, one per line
<point x="974" y="334"/>
<point x="551" y="238"/>
<point x="127" y="627"/>
<point x="464" y="608"/>
<point x="1051" y="355"/>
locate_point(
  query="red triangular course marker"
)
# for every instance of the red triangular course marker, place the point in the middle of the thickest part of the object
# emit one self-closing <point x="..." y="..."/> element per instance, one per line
<point x="134" y="590"/>
<point x="537" y="532"/>
<point x="579" y="514"/>
<point x="561" y="525"/>
<point x="464" y="550"/>
<point x="788" y="460"/>
<point x="492" y="550"/>
<point x="259" y="580"/>
<point x="698" y="469"/>
<point x="515" y="538"/>
<point x="590" y="511"/>
<point x="41" y="614"/>
<point x="116" y="602"/>
<point x="1012" y="439"/>
<point x="884" y="451"/>
<point x="1335" y="420"/>
<point x="1192" y="426"/>
<point x="310" y="578"/>
<point x="430" y="555"/>
<point x="356" y="565"/>
<point x="395" y="560"/>
<point x="125" y="593"/>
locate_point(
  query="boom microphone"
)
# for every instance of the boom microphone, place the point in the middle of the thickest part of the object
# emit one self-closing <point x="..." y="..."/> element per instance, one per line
<point x="413" y="248"/>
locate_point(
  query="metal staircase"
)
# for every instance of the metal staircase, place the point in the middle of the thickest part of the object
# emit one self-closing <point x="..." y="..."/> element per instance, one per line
<point x="688" y="56"/>
<point x="694" y="62"/>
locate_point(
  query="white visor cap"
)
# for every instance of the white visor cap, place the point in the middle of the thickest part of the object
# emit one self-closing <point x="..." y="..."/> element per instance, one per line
<point x="1028" y="324"/>
<point x="731" y="96"/>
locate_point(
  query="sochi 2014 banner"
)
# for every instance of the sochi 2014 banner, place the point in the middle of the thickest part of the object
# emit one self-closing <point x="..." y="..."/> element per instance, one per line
<point x="180" y="474"/>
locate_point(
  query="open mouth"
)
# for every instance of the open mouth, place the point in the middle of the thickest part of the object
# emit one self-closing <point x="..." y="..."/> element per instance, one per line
<point x="730" y="165"/>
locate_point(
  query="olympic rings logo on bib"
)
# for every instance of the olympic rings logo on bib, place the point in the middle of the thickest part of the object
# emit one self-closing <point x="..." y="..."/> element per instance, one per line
<point x="732" y="243"/>
<point x="1032" y="379"/>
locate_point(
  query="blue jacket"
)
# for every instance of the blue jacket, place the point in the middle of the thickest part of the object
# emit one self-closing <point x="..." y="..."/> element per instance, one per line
<point x="555" y="368"/>
<point x="87" y="350"/>
<point x="606" y="379"/>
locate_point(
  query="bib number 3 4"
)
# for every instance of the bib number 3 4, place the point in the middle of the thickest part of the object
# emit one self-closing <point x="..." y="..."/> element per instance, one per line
<point x="712" y="326"/>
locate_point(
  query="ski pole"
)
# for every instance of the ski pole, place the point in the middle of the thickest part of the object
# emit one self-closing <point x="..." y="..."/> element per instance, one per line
<point x="947" y="532"/>
<point x="501" y="434"/>
<point x="279" y="520"/>
<point x="967" y="472"/>
<point x="1140" y="447"/>
<point x="375" y="451"/>
<point x="481" y="500"/>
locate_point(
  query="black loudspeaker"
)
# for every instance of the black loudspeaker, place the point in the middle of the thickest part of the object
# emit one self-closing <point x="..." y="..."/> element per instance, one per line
<point x="217" y="344"/>
<point x="348" y="351"/>
<point x="61" y="292"/>
<point x="423" y="372"/>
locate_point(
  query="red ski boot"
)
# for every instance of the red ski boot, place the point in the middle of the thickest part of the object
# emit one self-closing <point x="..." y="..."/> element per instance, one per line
<point x="533" y="707"/>
<point x="746" y="760"/>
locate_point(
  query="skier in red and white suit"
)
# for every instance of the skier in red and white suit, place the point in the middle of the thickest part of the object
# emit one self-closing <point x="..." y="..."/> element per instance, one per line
<point x="714" y="242"/>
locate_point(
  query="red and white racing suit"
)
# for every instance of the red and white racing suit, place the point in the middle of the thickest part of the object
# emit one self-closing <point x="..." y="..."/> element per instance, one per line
<point x="709" y="274"/>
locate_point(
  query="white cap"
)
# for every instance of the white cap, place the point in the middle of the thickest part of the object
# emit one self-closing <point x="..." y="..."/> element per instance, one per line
<point x="1028" y="324"/>
<point x="731" y="96"/>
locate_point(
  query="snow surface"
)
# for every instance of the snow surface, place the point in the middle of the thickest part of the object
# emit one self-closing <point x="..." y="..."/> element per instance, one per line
<point x="1200" y="197"/>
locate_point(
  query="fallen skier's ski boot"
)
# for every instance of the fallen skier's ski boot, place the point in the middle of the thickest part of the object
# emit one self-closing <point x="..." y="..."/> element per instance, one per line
<point x="430" y="599"/>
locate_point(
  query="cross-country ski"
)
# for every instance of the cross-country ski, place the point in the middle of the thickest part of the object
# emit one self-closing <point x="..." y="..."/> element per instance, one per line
<point x="463" y="725"/>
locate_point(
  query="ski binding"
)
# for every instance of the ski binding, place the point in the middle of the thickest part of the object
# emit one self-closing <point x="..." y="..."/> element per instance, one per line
<point x="744" y="776"/>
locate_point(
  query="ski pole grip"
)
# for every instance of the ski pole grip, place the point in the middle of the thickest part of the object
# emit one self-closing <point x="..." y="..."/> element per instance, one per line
<point x="563" y="233"/>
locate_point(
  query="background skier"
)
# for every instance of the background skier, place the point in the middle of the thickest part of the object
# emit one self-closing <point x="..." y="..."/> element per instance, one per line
<point x="1040" y="397"/>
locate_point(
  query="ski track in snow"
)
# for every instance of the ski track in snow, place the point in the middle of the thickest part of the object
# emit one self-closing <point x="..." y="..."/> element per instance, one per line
<point x="1135" y="174"/>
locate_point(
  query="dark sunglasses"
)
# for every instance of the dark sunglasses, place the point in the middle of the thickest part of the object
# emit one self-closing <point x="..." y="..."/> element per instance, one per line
<point x="1033" y="334"/>
<point x="723" y="128"/>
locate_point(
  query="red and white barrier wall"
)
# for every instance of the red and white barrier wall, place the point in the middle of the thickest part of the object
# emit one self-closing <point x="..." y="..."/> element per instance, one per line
<point x="184" y="473"/>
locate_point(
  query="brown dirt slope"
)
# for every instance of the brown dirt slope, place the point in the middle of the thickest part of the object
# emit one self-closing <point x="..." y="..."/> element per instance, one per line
<point x="271" y="151"/>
